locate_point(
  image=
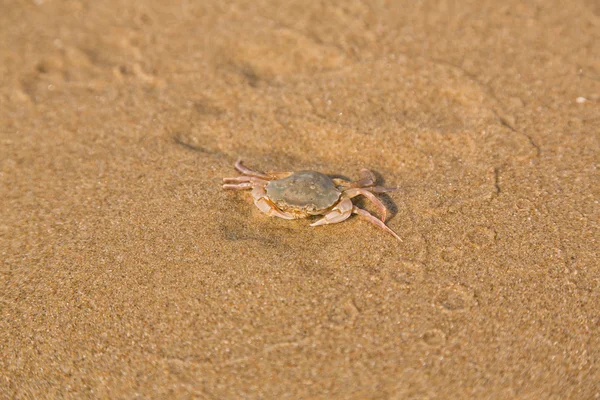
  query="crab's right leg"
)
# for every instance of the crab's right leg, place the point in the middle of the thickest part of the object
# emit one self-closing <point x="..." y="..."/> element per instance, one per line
<point x="339" y="213"/>
<point x="366" y="179"/>
<point x="267" y="206"/>
<point x="366" y="215"/>
<point x="365" y="192"/>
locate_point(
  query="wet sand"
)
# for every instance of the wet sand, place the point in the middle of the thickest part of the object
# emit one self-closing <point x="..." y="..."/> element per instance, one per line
<point x="126" y="271"/>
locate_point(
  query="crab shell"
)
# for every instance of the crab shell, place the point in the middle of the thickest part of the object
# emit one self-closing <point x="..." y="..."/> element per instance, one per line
<point x="304" y="193"/>
<point x="293" y="195"/>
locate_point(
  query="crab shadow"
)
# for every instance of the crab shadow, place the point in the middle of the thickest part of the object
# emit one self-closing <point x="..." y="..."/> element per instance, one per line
<point x="384" y="197"/>
<point x="237" y="232"/>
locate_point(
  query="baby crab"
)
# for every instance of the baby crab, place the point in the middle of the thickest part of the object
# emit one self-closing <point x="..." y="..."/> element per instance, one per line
<point x="292" y="195"/>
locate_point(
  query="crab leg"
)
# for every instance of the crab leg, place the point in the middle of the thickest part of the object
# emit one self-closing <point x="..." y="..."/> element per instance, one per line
<point x="365" y="192"/>
<point x="366" y="179"/>
<point x="342" y="182"/>
<point x="247" y="171"/>
<point x="367" y="174"/>
<point x="339" y="213"/>
<point x="278" y="174"/>
<point x="365" y="214"/>
<point x="245" y="182"/>
<point x="239" y="186"/>
<point x="244" y="179"/>
<point x="265" y="205"/>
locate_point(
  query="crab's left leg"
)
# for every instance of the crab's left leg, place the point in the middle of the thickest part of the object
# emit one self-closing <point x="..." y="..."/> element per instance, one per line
<point x="239" y="186"/>
<point x="242" y="182"/>
<point x="366" y="215"/>
<point x="244" y="178"/>
<point x="247" y="171"/>
<point x="339" y="213"/>
<point x="279" y="174"/>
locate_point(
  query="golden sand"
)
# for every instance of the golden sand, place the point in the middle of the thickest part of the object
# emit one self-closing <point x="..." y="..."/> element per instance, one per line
<point x="127" y="271"/>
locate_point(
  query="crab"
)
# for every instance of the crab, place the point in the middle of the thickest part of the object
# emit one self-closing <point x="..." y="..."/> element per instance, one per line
<point x="294" y="195"/>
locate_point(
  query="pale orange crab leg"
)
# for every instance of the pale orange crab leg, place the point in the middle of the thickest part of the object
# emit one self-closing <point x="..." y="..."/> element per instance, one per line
<point x="239" y="186"/>
<point x="244" y="178"/>
<point x="339" y="213"/>
<point x="367" y="174"/>
<point x="278" y="174"/>
<point x="350" y="193"/>
<point x="342" y="182"/>
<point x="265" y="205"/>
<point x="242" y="182"/>
<point x="366" y="179"/>
<point x="365" y="214"/>
<point x="247" y="171"/>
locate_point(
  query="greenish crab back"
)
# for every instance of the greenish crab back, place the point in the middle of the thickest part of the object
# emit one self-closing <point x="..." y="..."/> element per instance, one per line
<point x="304" y="188"/>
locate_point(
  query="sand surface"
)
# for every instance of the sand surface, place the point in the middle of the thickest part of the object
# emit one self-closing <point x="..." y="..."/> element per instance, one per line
<point x="126" y="271"/>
